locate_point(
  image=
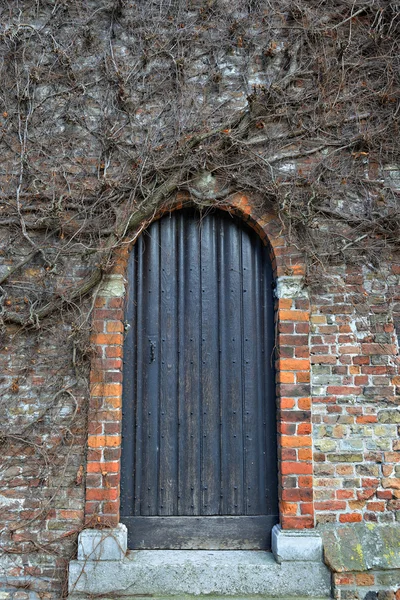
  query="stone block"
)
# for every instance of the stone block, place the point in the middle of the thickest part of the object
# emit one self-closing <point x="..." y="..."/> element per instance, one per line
<point x="103" y="544"/>
<point x="296" y="545"/>
<point x="290" y="287"/>
<point x="198" y="574"/>
<point x="112" y="286"/>
<point x="362" y="547"/>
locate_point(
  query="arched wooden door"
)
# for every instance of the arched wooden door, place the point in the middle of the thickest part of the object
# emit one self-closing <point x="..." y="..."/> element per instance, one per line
<point x="199" y="466"/>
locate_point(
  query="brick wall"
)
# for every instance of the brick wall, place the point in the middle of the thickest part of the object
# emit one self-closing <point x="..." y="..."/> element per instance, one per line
<point x="338" y="419"/>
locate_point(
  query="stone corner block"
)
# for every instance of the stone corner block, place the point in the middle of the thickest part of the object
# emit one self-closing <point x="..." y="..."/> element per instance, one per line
<point x="290" y="287"/>
<point x="112" y="286"/>
<point x="296" y="545"/>
<point x="103" y="544"/>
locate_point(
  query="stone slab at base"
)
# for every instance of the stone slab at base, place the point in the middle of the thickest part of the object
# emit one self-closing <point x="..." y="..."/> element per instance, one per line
<point x="296" y="545"/>
<point x="187" y="597"/>
<point x="103" y="544"/>
<point x="192" y="573"/>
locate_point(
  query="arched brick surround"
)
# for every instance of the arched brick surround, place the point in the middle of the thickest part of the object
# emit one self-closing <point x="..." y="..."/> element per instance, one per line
<point x="293" y="381"/>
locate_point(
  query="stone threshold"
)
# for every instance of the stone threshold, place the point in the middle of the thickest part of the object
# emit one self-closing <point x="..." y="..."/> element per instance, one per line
<point x="105" y="568"/>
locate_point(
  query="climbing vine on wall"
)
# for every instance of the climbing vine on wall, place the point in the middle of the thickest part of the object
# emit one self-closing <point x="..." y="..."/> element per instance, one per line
<point x="110" y="108"/>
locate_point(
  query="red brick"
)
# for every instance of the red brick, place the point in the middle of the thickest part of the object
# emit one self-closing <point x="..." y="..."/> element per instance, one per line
<point x="345" y="390"/>
<point x="306" y="508"/>
<point x="102" y="441"/>
<point x="365" y="579"/>
<point x="103" y="467"/>
<point x="350" y="517"/>
<point x="330" y="505"/>
<point x="101" y="494"/>
<point x="107" y="338"/>
<point x="343" y="578"/>
<point x="379" y="349"/>
<point x="114" y="327"/>
<point x="367" y="419"/>
<point x="293" y="315"/>
<point x="303" y="522"/>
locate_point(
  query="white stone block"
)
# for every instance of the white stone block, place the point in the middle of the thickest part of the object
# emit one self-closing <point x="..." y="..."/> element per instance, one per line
<point x="296" y="545"/>
<point x="112" y="286"/>
<point x="290" y="287"/>
<point x="103" y="544"/>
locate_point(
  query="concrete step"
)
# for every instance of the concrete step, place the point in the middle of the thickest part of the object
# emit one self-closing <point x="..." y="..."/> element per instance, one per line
<point x="184" y="574"/>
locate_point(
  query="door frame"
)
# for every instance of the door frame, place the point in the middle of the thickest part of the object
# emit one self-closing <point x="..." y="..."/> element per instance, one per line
<point x="295" y="464"/>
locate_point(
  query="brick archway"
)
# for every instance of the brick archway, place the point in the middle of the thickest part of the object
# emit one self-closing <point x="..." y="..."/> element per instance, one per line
<point x="293" y="380"/>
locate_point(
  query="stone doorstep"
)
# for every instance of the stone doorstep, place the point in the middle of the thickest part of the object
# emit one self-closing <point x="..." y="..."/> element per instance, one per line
<point x="193" y="573"/>
<point x="205" y="598"/>
<point x="293" y="571"/>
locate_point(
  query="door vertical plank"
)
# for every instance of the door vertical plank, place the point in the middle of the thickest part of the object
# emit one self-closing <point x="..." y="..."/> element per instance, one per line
<point x="129" y="378"/>
<point x="168" y="409"/>
<point x="269" y="392"/>
<point x="210" y="459"/>
<point x="231" y="370"/>
<point x="263" y="366"/>
<point x="151" y="359"/>
<point x="140" y="334"/>
<point x="251" y="339"/>
<point x="190" y="431"/>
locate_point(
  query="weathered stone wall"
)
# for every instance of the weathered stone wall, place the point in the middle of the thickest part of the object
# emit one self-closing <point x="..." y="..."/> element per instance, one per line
<point x="355" y="378"/>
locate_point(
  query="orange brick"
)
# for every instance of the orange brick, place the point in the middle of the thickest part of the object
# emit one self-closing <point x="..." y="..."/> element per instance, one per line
<point x="293" y="315"/>
<point x="305" y="454"/>
<point x="285" y="377"/>
<point x="285" y="303"/>
<point x="303" y="377"/>
<point x="101" y="494"/>
<point x="298" y="269"/>
<point x="293" y="364"/>
<point x="103" y="467"/>
<point x="367" y="419"/>
<point x="296" y="468"/>
<point x="295" y="441"/>
<point x="289" y="508"/>
<point x="304" y="429"/>
<point x="107" y="338"/>
<point x="304" y="403"/>
<point x="115" y="327"/>
<point x="287" y="403"/>
<point x="104" y="441"/>
<point x="114" y="352"/>
<point x="350" y="518"/>
<point x="106" y="389"/>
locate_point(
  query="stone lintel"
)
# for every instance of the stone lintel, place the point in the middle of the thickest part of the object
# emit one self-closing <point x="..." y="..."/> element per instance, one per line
<point x="103" y="544"/>
<point x="296" y="545"/>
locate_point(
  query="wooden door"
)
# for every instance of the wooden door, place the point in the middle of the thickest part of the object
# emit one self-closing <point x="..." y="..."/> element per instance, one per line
<point x="199" y="467"/>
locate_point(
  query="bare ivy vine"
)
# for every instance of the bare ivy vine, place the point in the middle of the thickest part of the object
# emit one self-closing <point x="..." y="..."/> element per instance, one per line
<point x="109" y="108"/>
